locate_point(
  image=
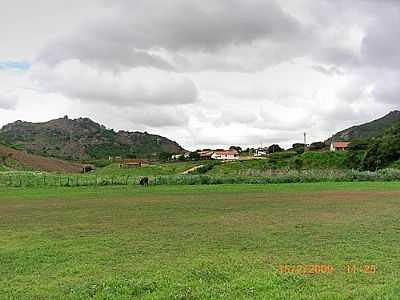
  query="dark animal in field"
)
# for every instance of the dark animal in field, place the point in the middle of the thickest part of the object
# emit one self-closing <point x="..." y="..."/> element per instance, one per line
<point x="144" y="181"/>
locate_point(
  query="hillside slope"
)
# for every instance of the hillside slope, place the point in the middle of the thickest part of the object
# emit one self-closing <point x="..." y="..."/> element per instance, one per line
<point x="36" y="162"/>
<point x="82" y="139"/>
<point x="368" y="130"/>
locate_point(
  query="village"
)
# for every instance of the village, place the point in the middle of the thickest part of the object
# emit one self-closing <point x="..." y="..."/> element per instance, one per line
<point x="234" y="153"/>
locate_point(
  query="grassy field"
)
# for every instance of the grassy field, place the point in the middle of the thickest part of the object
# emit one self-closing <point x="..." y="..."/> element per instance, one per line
<point x="283" y="160"/>
<point x="154" y="169"/>
<point x="200" y="242"/>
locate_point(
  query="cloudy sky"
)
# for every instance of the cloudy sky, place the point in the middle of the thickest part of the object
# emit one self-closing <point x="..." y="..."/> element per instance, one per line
<point x="206" y="73"/>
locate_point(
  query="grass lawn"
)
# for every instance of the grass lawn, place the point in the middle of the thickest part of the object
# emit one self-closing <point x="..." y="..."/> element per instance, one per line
<point x="200" y="242"/>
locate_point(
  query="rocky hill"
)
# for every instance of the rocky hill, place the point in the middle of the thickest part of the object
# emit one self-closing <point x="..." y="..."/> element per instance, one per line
<point x="22" y="160"/>
<point x="83" y="139"/>
<point x="368" y="130"/>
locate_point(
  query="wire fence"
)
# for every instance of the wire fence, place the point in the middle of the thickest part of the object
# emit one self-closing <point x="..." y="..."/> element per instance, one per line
<point x="46" y="179"/>
<point x="34" y="179"/>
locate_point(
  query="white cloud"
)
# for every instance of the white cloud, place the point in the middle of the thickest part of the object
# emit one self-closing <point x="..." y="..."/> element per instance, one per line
<point x="75" y="79"/>
<point x="7" y="101"/>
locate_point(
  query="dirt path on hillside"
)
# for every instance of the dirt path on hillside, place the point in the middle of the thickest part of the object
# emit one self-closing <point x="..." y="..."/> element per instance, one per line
<point x="188" y="171"/>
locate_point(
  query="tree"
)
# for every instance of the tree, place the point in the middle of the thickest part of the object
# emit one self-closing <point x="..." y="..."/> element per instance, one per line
<point x="355" y="153"/>
<point x="371" y="160"/>
<point x="164" y="156"/>
<point x="298" y="163"/>
<point x="383" y="151"/>
<point x="317" y="146"/>
<point x="182" y="157"/>
<point x="274" y="148"/>
<point x="298" y="148"/>
<point x="237" y="148"/>
<point x="194" y="155"/>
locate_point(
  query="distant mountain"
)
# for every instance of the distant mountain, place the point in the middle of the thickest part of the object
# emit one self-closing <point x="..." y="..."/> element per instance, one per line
<point x="83" y="139"/>
<point x="368" y="130"/>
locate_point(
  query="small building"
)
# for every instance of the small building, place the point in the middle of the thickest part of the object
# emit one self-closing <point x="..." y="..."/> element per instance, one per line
<point x="87" y="168"/>
<point x="225" y="155"/>
<point x="261" y="152"/>
<point x="114" y="158"/>
<point x="133" y="163"/>
<point x="180" y="155"/>
<point x="339" y="146"/>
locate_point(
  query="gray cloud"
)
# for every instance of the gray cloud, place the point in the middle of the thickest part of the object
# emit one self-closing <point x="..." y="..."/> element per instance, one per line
<point x="180" y="24"/>
<point x="100" y="53"/>
<point x="215" y="33"/>
<point x="330" y="71"/>
<point x="386" y="88"/>
<point x="380" y="47"/>
<point x="135" y="86"/>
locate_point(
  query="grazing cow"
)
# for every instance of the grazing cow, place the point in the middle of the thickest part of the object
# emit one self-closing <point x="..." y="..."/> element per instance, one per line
<point x="144" y="181"/>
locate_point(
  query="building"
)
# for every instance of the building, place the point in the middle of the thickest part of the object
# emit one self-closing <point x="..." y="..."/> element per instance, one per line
<point x="261" y="152"/>
<point x="180" y="155"/>
<point x="133" y="163"/>
<point x="225" y="155"/>
<point x="339" y="146"/>
<point x="114" y="158"/>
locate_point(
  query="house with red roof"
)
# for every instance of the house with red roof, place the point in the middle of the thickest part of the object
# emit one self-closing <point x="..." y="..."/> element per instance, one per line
<point x="231" y="154"/>
<point x="339" y="146"/>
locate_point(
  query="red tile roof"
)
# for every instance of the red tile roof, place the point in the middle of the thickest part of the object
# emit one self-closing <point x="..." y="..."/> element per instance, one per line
<point x="226" y="152"/>
<point x="341" y="144"/>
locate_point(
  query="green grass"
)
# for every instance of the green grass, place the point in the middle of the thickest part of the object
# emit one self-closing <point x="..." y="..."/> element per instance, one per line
<point x="395" y="165"/>
<point x="199" y="242"/>
<point x="324" y="160"/>
<point x="3" y="168"/>
<point x="8" y="164"/>
<point x="244" y="167"/>
<point x="282" y="160"/>
<point x="154" y="169"/>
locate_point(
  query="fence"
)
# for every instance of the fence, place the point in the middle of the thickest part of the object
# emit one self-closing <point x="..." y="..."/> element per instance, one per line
<point x="31" y="179"/>
<point x="45" y="179"/>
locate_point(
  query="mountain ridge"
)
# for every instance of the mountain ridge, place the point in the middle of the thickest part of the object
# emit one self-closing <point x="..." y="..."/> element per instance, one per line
<point x="367" y="130"/>
<point x="83" y="139"/>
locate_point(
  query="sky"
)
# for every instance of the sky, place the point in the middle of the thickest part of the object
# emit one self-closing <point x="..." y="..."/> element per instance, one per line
<point x="205" y="73"/>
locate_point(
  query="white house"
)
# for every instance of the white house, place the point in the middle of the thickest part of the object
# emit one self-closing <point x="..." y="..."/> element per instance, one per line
<point x="225" y="155"/>
<point x="261" y="152"/>
<point x="179" y="155"/>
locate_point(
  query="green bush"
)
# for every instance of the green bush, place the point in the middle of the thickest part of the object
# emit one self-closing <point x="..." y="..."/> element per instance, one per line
<point x="324" y="160"/>
<point x="283" y="155"/>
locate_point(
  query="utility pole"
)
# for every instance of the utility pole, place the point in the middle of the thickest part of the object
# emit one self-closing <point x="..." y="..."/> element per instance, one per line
<point x="305" y="141"/>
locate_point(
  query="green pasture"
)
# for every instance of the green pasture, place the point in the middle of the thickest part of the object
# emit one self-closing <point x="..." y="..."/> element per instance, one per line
<point x="200" y="242"/>
<point x="282" y="161"/>
<point x="152" y="169"/>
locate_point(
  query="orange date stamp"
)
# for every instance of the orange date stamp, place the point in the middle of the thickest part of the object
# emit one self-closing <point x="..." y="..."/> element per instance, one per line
<point x="318" y="269"/>
<point x="306" y="269"/>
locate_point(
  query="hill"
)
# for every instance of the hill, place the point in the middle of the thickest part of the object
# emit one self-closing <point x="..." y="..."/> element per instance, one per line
<point x="21" y="159"/>
<point x="368" y="130"/>
<point x="83" y="139"/>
